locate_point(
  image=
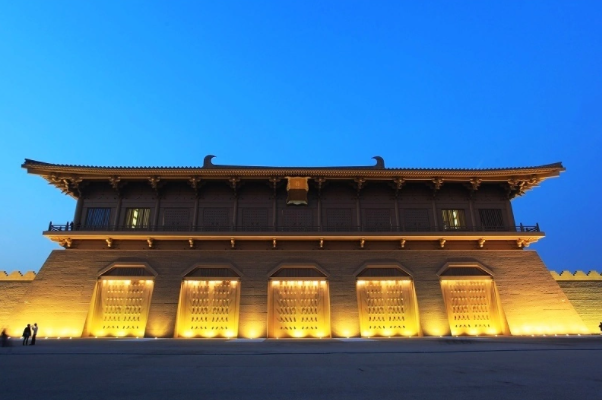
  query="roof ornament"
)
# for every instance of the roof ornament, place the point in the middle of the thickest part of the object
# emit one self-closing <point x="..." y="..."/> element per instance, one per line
<point x="380" y="162"/>
<point x="207" y="161"/>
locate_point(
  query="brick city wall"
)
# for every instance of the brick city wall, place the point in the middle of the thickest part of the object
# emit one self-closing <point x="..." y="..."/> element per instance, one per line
<point x="59" y="298"/>
<point x="585" y="293"/>
<point x="12" y="289"/>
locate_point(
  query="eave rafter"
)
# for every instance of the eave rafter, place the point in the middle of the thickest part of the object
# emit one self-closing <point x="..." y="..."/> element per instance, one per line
<point x="70" y="178"/>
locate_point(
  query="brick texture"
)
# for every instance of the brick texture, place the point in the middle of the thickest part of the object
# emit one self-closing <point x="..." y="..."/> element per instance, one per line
<point x="59" y="298"/>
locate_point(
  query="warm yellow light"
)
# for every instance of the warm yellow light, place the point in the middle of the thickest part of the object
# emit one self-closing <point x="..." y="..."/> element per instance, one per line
<point x="275" y="283"/>
<point x="298" y="334"/>
<point x="188" y="334"/>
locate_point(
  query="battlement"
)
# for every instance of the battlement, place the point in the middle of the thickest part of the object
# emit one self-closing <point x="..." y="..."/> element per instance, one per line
<point x="577" y="276"/>
<point x="17" y="276"/>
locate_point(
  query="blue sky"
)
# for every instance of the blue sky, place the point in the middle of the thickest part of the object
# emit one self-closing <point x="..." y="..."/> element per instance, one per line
<point x="469" y="84"/>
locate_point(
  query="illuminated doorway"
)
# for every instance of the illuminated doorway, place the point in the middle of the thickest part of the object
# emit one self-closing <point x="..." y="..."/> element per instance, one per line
<point x="298" y="304"/>
<point x="209" y="303"/>
<point x="472" y="301"/>
<point x="121" y="301"/>
<point x="387" y="302"/>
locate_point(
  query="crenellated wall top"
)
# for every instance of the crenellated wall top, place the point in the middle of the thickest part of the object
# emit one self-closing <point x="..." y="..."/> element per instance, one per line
<point x="577" y="276"/>
<point x="17" y="276"/>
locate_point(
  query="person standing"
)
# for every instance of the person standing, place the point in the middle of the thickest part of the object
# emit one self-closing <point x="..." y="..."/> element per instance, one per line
<point x="26" y="335"/>
<point x="4" y="338"/>
<point x="34" y="330"/>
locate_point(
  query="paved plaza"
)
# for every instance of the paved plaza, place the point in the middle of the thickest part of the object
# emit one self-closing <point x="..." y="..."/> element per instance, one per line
<point x="417" y="368"/>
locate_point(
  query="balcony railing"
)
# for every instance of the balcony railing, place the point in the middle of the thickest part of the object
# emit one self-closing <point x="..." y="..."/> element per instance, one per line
<point x="71" y="227"/>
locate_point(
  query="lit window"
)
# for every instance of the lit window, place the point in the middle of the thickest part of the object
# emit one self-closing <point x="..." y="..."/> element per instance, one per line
<point x="137" y="218"/>
<point x="453" y="219"/>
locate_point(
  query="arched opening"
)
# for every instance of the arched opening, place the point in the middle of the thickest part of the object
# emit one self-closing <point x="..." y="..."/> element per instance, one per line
<point x="387" y="302"/>
<point x="471" y="300"/>
<point x="121" y="301"/>
<point x="298" y="303"/>
<point x="209" y="303"/>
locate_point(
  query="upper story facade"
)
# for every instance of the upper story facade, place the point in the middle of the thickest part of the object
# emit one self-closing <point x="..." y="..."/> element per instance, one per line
<point x="417" y="208"/>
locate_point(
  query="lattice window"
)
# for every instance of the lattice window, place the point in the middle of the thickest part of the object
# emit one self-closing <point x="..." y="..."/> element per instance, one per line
<point x="176" y="218"/>
<point x="338" y="219"/>
<point x="299" y="309"/>
<point x="98" y="218"/>
<point x="255" y="218"/>
<point x="387" y="308"/>
<point x="453" y="219"/>
<point x="377" y="219"/>
<point x="491" y="219"/>
<point x="137" y="218"/>
<point x="472" y="307"/>
<point x="209" y="308"/>
<point x="296" y="218"/>
<point x="416" y="219"/>
<point x="216" y="218"/>
<point x="121" y="307"/>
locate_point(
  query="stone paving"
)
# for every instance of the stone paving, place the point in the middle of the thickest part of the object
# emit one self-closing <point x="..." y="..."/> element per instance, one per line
<point x="417" y="368"/>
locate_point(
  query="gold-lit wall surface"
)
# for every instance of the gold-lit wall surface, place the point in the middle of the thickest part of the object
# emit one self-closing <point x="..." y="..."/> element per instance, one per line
<point x="299" y="309"/>
<point x="387" y="307"/>
<point x="120" y="307"/>
<point x="584" y="291"/>
<point x="12" y="288"/>
<point x="473" y="307"/>
<point x="208" y="309"/>
<point x="59" y="298"/>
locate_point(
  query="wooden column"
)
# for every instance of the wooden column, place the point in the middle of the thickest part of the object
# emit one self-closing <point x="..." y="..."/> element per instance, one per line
<point x="156" y="217"/>
<point x="320" y="182"/>
<point x="195" y="213"/>
<point x="274" y="182"/>
<point x="474" y="184"/>
<point x="154" y="182"/>
<point x="435" y="214"/>
<point x="116" y="184"/>
<point x="234" y="184"/>
<point x="398" y="185"/>
<point x="194" y="182"/>
<point x="77" y="217"/>
<point x="360" y="184"/>
<point x="437" y="182"/>
<point x="117" y="212"/>
<point x="472" y="219"/>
